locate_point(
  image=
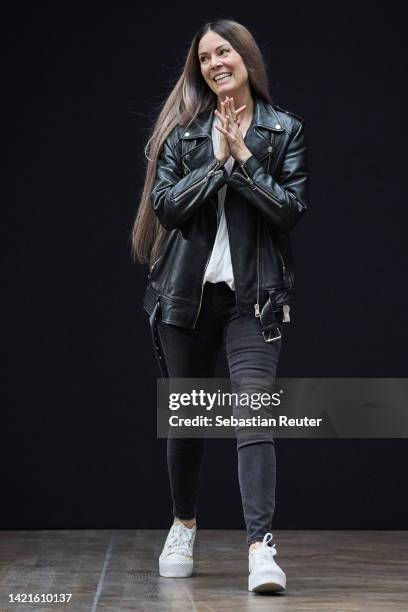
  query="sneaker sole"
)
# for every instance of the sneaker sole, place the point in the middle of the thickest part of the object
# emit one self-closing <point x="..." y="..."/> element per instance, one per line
<point x="266" y="583"/>
<point x="171" y="569"/>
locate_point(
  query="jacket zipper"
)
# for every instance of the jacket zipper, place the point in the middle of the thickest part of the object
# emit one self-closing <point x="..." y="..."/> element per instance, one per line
<point x="256" y="186"/>
<point x="187" y="169"/>
<point x="269" y="161"/>
<point x="257" y="306"/>
<point x="157" y="261"/>
<point x="197" y="183"/>
<point x="283" y="264"/>
<point x="153" y="266"/>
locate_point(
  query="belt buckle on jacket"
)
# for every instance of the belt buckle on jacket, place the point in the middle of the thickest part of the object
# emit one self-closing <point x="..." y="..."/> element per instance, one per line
<point x="269" y="337"/>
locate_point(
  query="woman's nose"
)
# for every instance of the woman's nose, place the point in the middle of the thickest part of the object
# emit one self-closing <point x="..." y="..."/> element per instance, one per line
<point x="215" y="63"/>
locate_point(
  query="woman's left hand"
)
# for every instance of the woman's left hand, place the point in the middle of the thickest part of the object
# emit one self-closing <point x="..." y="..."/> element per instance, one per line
<point x="232" y="132"/>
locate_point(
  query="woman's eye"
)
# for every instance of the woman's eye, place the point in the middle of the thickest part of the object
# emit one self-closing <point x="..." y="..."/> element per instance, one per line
<point x="221" y="51"/>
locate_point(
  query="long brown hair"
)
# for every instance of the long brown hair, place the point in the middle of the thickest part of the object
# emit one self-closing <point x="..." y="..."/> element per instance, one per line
<point x="189" y="97"/>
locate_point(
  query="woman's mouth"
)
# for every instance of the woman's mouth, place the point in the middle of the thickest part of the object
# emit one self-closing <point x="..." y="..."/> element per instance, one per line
<point x="222" y="78"/>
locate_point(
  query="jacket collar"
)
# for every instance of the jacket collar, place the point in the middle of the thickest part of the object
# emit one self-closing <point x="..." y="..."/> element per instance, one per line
<point x="265" y="117"/>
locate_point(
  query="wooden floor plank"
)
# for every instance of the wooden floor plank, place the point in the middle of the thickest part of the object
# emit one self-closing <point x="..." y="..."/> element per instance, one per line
<point x="116" y="571"/>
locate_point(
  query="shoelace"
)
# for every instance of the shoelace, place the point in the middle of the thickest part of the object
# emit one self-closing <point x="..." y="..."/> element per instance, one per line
<point x="179" y="539"/>
<point x="265" y="553"/>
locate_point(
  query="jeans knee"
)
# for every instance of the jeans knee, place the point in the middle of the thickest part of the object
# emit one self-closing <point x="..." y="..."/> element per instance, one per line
<point x="254" y="439"/>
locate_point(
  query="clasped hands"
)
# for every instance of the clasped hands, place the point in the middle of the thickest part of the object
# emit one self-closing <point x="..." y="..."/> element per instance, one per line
<point x="231" y="139"/>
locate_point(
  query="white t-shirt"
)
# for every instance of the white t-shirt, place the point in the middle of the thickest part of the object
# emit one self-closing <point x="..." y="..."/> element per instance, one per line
<point x="219" y="267"/>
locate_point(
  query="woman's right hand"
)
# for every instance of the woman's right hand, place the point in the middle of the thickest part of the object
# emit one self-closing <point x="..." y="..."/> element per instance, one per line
<point x="224" y="152"/>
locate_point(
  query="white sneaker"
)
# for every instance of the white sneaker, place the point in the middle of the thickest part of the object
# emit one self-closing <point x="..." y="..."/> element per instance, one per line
<point x="176" y="559"/>
<point x="264" y="573"/>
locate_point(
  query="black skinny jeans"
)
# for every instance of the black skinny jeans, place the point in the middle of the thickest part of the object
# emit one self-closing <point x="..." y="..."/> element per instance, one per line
<point x="192" y="354"/>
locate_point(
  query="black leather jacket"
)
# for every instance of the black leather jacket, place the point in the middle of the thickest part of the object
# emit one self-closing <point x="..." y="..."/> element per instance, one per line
<point x="265" y="198"/>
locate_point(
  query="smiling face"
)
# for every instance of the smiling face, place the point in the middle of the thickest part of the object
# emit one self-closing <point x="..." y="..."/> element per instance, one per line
<point x="217" y="57"/>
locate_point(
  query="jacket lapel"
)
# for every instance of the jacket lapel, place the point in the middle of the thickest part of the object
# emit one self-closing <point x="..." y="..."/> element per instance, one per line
<point x="261" y="133"/>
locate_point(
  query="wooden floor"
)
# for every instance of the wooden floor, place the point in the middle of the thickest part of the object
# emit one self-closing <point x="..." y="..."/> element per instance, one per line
<point x="117" y="570"/>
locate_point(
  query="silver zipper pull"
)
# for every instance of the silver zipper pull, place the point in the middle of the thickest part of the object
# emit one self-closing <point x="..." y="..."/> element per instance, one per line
<point x="248" y="178"/>
<point x="214" y="169"/>
<point x="257" y="313"/>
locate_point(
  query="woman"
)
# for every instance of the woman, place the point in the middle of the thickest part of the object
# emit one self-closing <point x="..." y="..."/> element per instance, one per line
<point x="226" y="182"/>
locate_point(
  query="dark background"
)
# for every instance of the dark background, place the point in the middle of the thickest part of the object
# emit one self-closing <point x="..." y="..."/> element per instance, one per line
<point x="82" y="86"/>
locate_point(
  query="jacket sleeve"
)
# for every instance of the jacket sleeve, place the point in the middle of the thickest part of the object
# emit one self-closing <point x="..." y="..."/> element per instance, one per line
<point x="176" y="197"/>
<point x="283" y="203"/>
